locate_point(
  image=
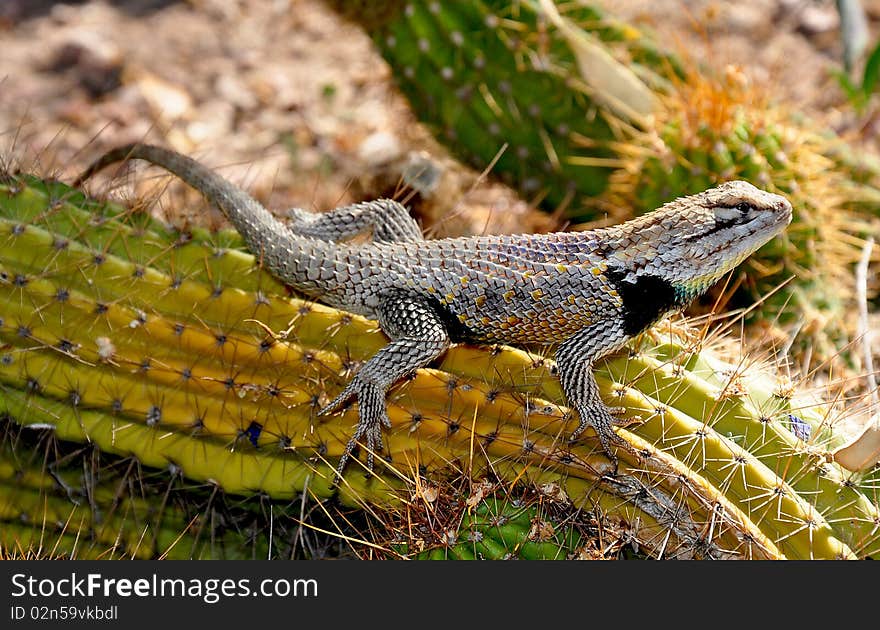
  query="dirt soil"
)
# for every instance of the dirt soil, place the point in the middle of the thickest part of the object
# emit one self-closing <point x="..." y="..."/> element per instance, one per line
<point x="294" y="104"/>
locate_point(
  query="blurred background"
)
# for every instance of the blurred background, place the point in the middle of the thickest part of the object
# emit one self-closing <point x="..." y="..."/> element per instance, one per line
<point x="297" y="104"/>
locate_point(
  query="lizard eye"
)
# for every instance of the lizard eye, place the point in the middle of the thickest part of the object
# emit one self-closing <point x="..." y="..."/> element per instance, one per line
<point x="744" y="207"/>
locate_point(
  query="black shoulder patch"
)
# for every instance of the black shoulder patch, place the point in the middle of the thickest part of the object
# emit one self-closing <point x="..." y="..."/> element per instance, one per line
<point x="458" y="332"/>
<point x="644" y="301"/>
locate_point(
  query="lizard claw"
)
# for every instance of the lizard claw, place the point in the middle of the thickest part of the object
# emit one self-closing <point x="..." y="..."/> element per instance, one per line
<point x="375" y="444"/>
<point x="337" y="403"/>
<point x="603" y="420"/>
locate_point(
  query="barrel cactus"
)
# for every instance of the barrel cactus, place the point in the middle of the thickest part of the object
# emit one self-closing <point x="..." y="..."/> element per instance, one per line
<point x="176" y="348"/>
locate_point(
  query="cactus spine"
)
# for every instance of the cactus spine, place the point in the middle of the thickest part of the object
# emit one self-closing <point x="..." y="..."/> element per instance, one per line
<point x="123" y="333"/>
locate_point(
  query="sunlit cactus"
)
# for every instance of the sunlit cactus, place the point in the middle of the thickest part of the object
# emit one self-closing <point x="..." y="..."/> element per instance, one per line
<point x="178" y="349"/>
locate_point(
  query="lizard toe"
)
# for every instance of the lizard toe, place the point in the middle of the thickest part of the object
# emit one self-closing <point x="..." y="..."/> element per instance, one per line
<point x="603" y="422"/>
<point x="350" y="391"/>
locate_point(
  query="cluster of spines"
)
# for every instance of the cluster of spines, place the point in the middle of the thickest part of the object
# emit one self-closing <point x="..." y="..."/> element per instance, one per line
<point x="95" y="348"/>
<point x="486" y="523"/>
<point x="812" y="262"/>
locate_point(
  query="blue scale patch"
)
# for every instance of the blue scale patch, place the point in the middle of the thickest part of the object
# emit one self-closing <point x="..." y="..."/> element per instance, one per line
<point x="253" y="432"/>
<point x="799" y="427"/>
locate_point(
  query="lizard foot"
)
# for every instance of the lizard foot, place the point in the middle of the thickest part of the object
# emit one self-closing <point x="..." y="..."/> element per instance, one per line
<point x="372" y="416"/>
<point x="602" y="420"/>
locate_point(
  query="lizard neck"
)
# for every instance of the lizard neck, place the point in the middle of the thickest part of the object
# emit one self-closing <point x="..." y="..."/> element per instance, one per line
<point x="646" y="299"/>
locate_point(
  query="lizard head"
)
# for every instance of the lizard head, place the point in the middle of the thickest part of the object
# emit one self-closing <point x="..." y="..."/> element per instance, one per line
<point x="714" y="231"/>
<point x="673" y="254"/>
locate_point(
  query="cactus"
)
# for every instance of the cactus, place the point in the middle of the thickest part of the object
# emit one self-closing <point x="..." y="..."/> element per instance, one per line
<point x="490" y="74"/>
<point x="179" y="349"/>
<point x="76" y="504"/>
<point x="537" y="525"/>
<point x="543" y="79"/>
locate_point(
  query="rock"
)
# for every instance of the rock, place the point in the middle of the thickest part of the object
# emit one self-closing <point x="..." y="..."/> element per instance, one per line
<point x="95" y="63"/>
<point x="167" y="100"/>
<point x="815" y="20"/>
<point x="379" y="148"/>
<point x="234" y="91"/>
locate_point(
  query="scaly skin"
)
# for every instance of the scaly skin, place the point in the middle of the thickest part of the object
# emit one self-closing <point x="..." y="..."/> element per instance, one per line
<point x="586" y="292"/>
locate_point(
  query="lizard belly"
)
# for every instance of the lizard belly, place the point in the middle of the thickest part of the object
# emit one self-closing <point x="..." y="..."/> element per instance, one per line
<point x="519" y="310"/>
<point x="493" y="296"/>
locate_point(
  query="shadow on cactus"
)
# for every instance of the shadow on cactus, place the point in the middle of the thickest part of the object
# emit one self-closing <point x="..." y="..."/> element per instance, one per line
<point x="63" y="500"/>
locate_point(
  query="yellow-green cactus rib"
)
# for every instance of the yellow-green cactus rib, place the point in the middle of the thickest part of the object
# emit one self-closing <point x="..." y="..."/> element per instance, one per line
<point x="322" y="331"/>
<point x="33" y="374"/>
<point x="67" y="510"/>
<point x="223" y="382"/>
<point x="236" y="427"/>
<point x="150" y="392"/>
<point x="51" y="516"/>
<point x="101" y="229"/>
<point x="720" y="430"/>
<point x="232" y="465"/>
<point x="761" y="430"/>
<point x="244" y="470"/>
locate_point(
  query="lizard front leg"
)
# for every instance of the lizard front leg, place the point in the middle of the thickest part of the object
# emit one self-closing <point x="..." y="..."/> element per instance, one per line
<point x="418" y="337"/>
<point x="386" y="219"/>
<point x="574" y="363"/>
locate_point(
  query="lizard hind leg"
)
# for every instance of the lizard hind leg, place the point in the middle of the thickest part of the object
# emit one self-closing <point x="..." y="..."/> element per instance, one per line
<point x="387" y="220"/>
<point x="418" y="337"/>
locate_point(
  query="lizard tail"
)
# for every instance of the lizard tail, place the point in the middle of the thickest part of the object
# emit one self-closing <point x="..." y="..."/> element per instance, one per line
<point x="266" y="237"/>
